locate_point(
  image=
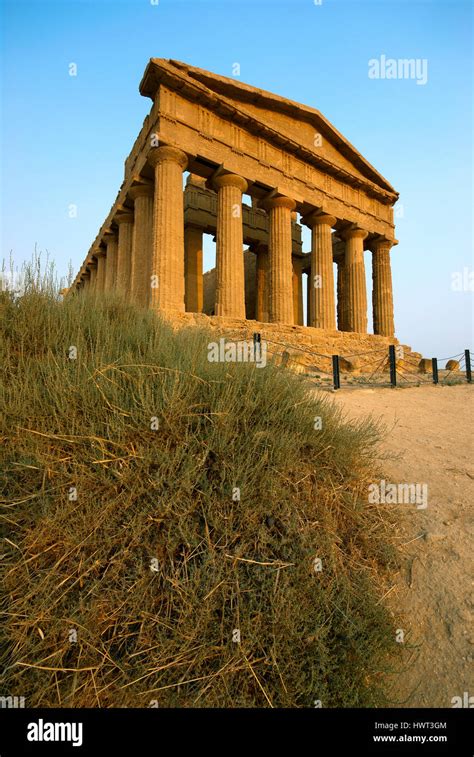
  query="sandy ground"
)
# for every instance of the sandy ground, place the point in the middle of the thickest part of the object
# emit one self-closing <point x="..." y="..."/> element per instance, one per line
<point x="430" y="440"/>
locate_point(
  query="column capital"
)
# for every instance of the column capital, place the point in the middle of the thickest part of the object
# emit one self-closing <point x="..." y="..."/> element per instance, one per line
<point x="279" y="202"/>
<point x="91" y="264"/>
<point x="316" y="218"/>
<point x="123" y="218"/>
<point x="230" y="180"/>
<point x="164" y="153"/>
<point x="140" y="190"/>
<point x="353" y="233"/>
<point x="381" y="242"/>
<point x="98" y="252"/>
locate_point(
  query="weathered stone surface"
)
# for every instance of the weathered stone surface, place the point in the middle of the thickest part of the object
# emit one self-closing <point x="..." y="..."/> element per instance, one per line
<point x="167" y="271"/>
<point x="193" y="274"/>
<point x="425" y="365"/>
<point x="110" y="261"/>
<point x="234" y="138"/>
<point x="230" y="290"/>
<point x="124" y="254"/>
<point x="452" y="365"/>
<point x="280" y="266"/>
<point x="322" y="275"/>
<point x="382" y="297"/>
<point x="355" y="281"/>
<point x="142" y="245"/>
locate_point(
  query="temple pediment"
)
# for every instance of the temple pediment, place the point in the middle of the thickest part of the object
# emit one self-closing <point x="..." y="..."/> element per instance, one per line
<point x="298" y="129"/>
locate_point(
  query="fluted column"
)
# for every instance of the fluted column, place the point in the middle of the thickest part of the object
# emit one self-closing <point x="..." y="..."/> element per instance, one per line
<point x="124" y="253"/>
<point x="86" y="281"/>
<point x="308" y="298"/>
<point x="93" y="277"/>
<point x="382" y="295"/>
<point x="167" y="271"/>
<point x="341" y="295"/>
<point x="142" y="244"/>
<point x="355" y="281"/>
<point x="297" y="291"/>
<point x="101" y="265"/>
<point x="230" y="277"/>
<point x="322" y="273"/>
<point x="193" y="280"/>
<point x="280" y="246"/>
<point x="110" y="239"/>
<point x="261" y="284"/>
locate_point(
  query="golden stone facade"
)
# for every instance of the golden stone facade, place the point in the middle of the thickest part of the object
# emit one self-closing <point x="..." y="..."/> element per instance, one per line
<point x="237" y="140"/>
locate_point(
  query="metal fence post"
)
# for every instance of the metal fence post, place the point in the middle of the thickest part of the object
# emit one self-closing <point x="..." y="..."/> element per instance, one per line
<point x="393" y="364"/>
<point x="467" y="355"/>
<point x="335" y="372"/>
<point x="434" y="367"/>
<point x="257" y="338"/>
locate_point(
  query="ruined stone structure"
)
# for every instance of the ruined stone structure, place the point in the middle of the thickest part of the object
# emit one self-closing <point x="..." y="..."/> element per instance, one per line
<point x="234" y="139"/>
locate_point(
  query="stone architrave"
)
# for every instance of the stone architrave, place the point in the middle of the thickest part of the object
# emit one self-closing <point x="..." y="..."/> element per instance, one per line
<point x="230" y="279"/>
<point x="167" y="270"/>
<point x="356" y="292"/>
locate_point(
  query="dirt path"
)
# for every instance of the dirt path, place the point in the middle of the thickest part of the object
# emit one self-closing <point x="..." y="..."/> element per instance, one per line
<point x="431" y="435"/>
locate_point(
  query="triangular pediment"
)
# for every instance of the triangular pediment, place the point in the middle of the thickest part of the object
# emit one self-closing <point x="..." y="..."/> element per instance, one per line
<point x="284" y="121"/>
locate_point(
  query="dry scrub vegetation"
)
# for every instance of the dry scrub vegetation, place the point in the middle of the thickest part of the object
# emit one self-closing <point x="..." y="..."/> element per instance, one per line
<point x="165" y="635"/>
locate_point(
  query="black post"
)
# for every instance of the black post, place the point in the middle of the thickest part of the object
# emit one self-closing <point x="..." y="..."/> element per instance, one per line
<point x="434" y="367"/>
<point x="257" y="338"/>
<point x="335" y="372"/>
<point x="393" y="364"/>
<point x="467" y="355"/>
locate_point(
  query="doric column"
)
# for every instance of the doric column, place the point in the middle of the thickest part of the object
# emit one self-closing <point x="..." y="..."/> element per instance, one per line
<point x="101" y="264"/>
<point x="341" y="295"/>
<point x="86" y="281"/>
<point x="382" y="295"/>
<point x="261" y="284"/>
<point x="142" y="244"/>
<point x="355" y="281"/>
<point x="93" y="276"/>
<point x="167" y="270"/>
<point x="309" y="303"/>
<point x="281" y="272"/>
<point x="230" y="276"/>
<point x="297" y="291"/>
<point x="110" y="239"/>
<point x="193" y="281"/>
<point x="322" y="274"/>
<point x="124" y="253"/>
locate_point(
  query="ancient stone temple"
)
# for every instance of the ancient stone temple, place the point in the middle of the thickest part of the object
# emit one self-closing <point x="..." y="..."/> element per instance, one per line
<point x="233" y="140"/>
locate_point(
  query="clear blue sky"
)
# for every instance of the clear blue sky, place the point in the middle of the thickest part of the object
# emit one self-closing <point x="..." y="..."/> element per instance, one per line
<point x="65" y="138"/>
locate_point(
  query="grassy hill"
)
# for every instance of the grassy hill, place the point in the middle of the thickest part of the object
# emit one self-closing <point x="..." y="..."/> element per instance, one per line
<point x="157" y="507"/>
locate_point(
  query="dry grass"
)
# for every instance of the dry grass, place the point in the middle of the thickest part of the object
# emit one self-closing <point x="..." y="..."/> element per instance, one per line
<point x="166" y="495"/>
